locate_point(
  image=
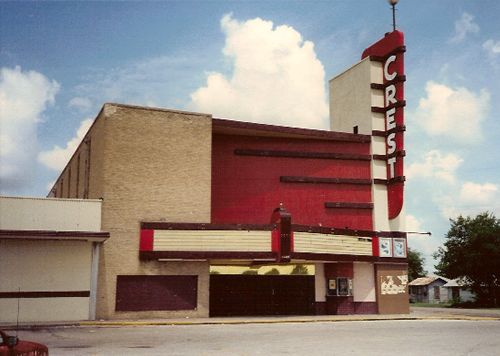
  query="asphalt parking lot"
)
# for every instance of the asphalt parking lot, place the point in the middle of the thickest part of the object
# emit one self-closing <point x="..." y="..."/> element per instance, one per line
<point x="382" y="337"/>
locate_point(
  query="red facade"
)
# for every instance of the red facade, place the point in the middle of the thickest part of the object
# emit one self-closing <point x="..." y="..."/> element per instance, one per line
<point x="248" y="183"/>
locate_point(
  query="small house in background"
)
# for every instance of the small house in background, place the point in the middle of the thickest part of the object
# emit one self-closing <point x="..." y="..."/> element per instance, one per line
<point x="458" y="291"/>
<point x="429" y="289"/>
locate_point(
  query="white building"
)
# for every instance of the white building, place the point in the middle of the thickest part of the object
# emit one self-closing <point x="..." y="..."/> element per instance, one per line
<point x="49" y="253"/>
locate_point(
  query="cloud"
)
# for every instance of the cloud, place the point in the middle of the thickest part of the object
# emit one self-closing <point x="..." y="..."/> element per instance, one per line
<point x="58" y="157"/>
<point x="24" y="96"/>
<point x="448" y="194"/>
<point x="455" y="113"/>
<point x="483" y="195"/>
<point x="435" y="165"/>
<point x="464" y="26"/>
<point x="469" y="199"/>
<point x="81" y="104"/>
<point x="492" y="48"/>
<point x="412" y="223"/>
<point x="276" y="77"/>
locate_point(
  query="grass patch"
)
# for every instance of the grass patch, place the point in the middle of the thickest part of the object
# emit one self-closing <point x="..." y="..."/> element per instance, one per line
<point x="431" y="305"/>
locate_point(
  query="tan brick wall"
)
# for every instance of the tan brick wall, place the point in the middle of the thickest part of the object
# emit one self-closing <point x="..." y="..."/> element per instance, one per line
<point x="157" y="166"/>
<point x="146" y="165"/>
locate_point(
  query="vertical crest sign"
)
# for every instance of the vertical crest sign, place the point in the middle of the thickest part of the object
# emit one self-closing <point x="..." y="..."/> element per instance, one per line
<point x="390" y="52"/>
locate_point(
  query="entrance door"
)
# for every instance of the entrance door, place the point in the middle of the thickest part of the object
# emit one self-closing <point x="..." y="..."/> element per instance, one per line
<point x="243" y="295"/>
<point x="437" y="294"/>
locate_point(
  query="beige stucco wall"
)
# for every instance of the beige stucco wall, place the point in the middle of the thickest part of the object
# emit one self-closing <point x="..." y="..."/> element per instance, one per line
<point x="320" y="283"/>
<point x="363" y="284"/>
<point x="156" y="166"/>
<point x="51" y="266"/>
<point x="351" y="97"/>
<point x="17" y="213"/>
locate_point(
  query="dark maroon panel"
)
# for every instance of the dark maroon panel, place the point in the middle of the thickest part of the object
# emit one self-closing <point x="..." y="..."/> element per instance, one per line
<point x="365" y="308"/>
<point x="141" y="293"/>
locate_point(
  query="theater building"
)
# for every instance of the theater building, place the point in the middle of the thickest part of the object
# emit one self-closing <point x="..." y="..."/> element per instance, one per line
<point x="185" y="191"/>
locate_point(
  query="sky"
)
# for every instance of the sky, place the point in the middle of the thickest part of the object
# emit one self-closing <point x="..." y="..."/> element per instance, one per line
<point x="258" y="61"/>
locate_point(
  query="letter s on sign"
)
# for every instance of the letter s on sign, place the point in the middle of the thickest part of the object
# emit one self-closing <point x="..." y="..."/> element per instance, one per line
<point x="388" y="76"/>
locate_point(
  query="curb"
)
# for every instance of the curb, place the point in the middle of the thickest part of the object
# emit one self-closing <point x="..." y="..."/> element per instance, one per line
<point x="237" y="322"/>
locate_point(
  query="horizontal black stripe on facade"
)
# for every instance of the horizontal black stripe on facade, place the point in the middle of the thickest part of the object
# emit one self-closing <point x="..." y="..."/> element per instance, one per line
<point x="348" y="205"/>
<point x="45" y="294"/>
<point x="382" y="133"/>
<point x="302" y="154"/>
<point x="265" y="227"/>
<point x="51" y="234"/>
<point x="159" y="225"/>
<point x="389" y="181"/>
<point x="383" y="110"/>
<point x="347" y="232"/>
<point x="398" y="154"/>
<point x="322" y="180"/>
<point x="400" y="49"/>
<point x="206" y="255"/>
<point x="306" y="256"/>
<point x="398" y="79"/>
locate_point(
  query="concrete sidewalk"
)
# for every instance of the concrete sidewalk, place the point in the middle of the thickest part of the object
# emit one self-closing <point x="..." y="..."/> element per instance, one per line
<point x="415" y="314"/>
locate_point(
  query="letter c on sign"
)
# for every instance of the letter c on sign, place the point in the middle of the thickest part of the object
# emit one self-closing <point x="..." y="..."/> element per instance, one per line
<point x="389" y="60"/>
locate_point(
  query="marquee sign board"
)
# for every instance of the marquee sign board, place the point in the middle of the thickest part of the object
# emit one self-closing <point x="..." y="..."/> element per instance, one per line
<point x="390" y="51"/>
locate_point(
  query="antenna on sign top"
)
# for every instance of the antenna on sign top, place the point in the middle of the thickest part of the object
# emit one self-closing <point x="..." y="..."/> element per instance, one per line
<point x="393" y="4"/>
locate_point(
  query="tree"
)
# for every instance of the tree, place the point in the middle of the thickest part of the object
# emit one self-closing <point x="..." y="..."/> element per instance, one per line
<point x="299" y="269"/>
<point x="251" y="271"/>
<point x="273" y="271"/>
<point x="415" y="264"/>
<point x="472" y="251"/>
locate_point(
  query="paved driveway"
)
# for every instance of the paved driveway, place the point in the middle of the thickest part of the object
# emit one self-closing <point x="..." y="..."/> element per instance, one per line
<point x="438" y="312"/>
